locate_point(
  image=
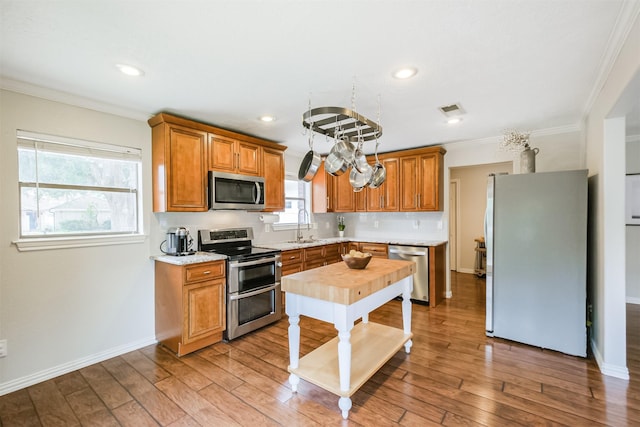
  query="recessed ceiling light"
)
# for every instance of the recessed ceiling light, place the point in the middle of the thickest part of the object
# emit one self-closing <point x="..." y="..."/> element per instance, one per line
<point x="130" y="70"/>
<point x="405" y="73"/>
<point x="454" y="120"/>
<point x="267" y="119"/>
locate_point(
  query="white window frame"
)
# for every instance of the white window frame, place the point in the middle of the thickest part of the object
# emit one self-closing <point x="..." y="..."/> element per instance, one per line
<point x="77" y="146"/>
<point x="307" y="204"/>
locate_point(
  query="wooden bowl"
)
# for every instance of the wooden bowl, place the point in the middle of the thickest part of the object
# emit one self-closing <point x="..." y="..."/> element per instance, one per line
<point x="356" y="263"/>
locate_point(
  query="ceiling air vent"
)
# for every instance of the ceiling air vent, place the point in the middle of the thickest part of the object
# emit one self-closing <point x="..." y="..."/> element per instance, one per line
<point x="451" y="110"/>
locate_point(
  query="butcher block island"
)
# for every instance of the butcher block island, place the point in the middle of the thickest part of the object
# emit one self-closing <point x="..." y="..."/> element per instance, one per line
<point x="336" y="294"/>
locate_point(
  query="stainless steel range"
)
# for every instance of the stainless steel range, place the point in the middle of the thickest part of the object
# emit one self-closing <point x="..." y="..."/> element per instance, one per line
<point x="253" y="279"/>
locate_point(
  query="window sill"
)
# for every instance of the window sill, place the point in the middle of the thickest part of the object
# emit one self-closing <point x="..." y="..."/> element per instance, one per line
<point x="284" y="227"/>
<point x="47" y="243"/>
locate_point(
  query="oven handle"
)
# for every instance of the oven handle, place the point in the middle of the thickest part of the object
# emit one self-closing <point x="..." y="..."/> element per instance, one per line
<point x="253" y="293"/>
<point x="236" y="264"/>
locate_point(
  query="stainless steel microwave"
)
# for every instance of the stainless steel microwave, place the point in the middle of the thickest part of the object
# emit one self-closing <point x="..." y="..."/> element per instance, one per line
<point x="233" y="191"/>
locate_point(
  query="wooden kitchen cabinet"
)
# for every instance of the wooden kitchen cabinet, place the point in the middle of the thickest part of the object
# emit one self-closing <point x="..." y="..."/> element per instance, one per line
<point x="179" y="168"/>
<point x="183" y="151"/>
<point x="273" y="172"/>
<point x="189" y="305"/>
<point x="322" y="200"/>
<point x="234" y="156"/>
<point x="377" y="250"/>
<point x="385" y="198"/>
<point x="422" y="179"/>
<point x="292" y="261"/>
<point x="343" y="194"/>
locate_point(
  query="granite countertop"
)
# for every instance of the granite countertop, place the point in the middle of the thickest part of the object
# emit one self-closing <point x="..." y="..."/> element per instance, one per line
<point x="189" y="259"/>
<point x="284" y="246"/>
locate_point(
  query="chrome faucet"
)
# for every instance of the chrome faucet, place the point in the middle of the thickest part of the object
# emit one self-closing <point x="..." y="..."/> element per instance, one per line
<point x="305" y="215"/>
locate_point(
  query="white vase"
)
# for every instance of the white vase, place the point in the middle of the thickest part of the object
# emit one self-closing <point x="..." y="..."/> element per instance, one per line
<point x="340" y="233"/>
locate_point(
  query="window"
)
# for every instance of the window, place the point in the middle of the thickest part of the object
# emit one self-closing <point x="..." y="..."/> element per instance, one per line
<point x="70" y="187"/>
<point x="295" y="198"/>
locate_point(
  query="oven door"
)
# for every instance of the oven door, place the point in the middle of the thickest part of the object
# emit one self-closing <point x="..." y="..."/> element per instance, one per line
<point x="252" y="310"/>
<point x="246" y="276"/>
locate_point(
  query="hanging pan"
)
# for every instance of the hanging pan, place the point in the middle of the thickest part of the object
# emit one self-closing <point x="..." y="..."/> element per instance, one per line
<point x="379" y="172"/>
<point x="340" y="157"/>
<point x="310" y="163"/>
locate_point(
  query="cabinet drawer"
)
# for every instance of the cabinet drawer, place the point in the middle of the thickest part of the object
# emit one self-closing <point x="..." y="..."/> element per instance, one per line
<point x="314" y="253"/>
<point x="291" y="257"/>
<point x="203" y="271"/>
<point x="378" y="250"/>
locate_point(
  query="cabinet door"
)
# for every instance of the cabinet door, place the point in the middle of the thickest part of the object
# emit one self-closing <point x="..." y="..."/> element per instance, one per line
<point x="273" y="172"/>
<point x="186" y="170"/>
<point x="332" y="253"/>
<point x="429" y="182"/>
<point x="343" y="194"/>
<point x="408" y="183"/>
<point x="204" y="312"/>
<point x="222" y="155"/>
<point x="248" y="158"/>
<point x="391" y="185"/>
<point x="321" y="191"/>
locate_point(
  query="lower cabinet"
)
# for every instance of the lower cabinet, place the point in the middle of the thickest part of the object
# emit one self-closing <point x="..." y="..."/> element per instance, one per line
<point x="377" y="250"/>
<point x="292" y="261"/>
<point x="190" y="305"/>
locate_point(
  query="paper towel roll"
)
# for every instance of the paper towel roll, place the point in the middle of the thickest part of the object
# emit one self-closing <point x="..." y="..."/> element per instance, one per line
<point x="269" y="218"/>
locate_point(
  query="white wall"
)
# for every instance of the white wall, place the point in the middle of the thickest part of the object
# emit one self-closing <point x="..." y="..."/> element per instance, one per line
<point x="472" y="193"/>
<point x="65" y="308"/>
<point x="633" y="231"/>
<point x="605" y="135"/>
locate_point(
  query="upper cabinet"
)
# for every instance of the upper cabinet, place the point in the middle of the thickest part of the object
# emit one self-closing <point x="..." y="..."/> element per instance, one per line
<point x="322" y="199"/>
<point x="184" y="150"/>
<point x="273" y="172"/>
<point x="233" y="156"/>
<point x="422" y="180"/>
<point x="414" y="182"/>
<point x="179" y="169"/>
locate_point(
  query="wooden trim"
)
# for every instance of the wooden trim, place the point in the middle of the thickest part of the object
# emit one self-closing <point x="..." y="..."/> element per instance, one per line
<point x="181" y="121"/>
<point x="437" y="276"/>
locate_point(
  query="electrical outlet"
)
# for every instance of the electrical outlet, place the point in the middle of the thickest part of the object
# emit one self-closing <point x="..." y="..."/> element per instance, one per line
<point x="375" y="224"/>
<point x="3" y="348"/>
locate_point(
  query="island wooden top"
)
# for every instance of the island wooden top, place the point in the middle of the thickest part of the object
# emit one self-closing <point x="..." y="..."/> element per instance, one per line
<point x="339" y="284"/>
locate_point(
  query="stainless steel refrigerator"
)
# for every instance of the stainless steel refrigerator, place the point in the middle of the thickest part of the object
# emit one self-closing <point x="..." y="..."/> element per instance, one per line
<point x="536" y="240"/>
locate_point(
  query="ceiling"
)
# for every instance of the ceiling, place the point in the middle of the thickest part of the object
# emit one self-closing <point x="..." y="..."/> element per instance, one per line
<point x="528" y="65"/>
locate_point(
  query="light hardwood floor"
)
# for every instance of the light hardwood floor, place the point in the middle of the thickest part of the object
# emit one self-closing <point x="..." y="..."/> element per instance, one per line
<point x="453" y="376"/>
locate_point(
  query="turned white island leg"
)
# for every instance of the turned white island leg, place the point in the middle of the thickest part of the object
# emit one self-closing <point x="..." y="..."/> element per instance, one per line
<point x="406" y="310"/>
<point x="294" y="340"/>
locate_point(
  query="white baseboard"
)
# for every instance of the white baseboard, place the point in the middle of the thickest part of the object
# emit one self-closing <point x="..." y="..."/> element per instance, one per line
<point x="467" y="270"/>
<point x="65" y="368"/>
<point x="633" y="300"/>
<point x="607" y="369"/>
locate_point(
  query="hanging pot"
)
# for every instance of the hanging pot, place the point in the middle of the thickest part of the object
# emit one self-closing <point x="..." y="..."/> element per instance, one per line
<point x="340" y="157"/>
<point x="379" y="172"/>
<point x="309" y="166"/>
<point x="310" y="163"/>
<point x="378" y="176"/>
<point x="360" y="179"/>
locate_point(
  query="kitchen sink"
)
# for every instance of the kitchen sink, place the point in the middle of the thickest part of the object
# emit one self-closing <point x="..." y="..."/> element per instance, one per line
<point x="303" y="241"/>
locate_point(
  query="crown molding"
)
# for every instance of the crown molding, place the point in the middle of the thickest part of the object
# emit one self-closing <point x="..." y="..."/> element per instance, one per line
<point x="629" y="12"/>
<point x="70" y="99"/>
<point x="456" y="145"/>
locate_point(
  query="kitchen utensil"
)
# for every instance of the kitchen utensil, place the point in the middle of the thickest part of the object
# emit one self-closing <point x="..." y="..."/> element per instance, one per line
<point x="340" y="157"/>
<point x="310" y="163"/>
<point x="379" y="172"/>
<point x="361" y="172"/>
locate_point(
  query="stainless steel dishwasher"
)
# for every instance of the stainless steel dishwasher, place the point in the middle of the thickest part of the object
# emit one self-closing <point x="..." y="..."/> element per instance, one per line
<point x="421" y="277"/>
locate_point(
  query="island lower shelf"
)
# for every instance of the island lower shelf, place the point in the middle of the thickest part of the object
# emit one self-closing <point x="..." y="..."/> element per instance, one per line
<point x="372" y="345"/>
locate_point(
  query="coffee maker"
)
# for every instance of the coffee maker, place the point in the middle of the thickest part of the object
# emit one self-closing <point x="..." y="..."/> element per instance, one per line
<point x="178" y="242"/>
